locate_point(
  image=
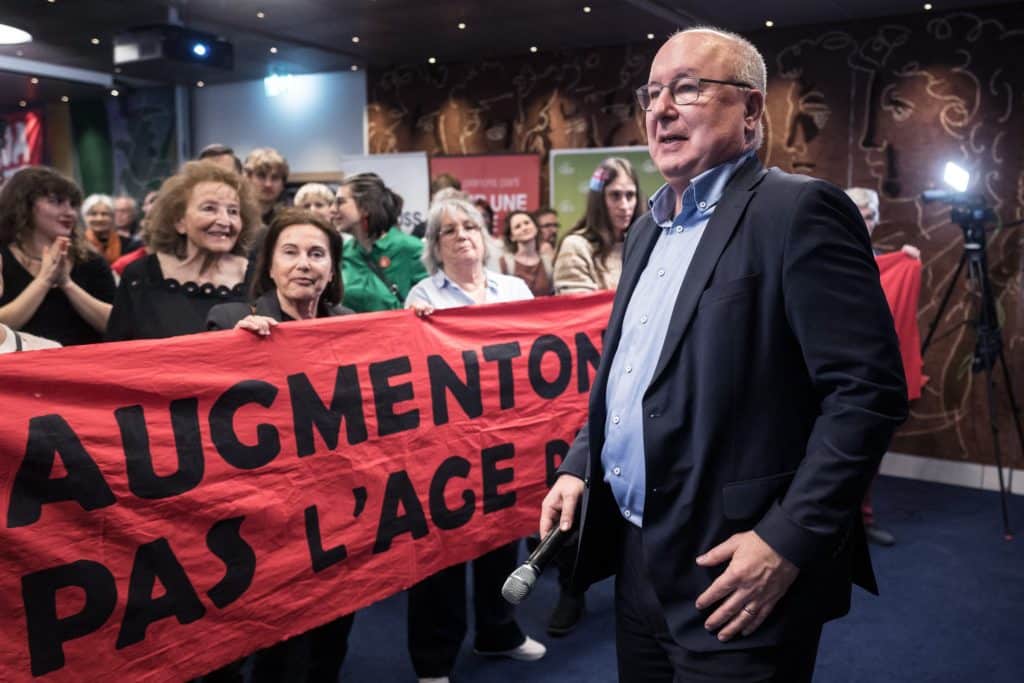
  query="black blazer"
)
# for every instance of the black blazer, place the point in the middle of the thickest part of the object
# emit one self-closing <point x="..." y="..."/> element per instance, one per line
<point x="773" y="400"/>
<point x="226" y="316"/>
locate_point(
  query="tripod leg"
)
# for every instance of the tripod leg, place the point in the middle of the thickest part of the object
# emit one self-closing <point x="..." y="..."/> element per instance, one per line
<point x="1014" y="406"/>
<point x="991" y="396"/>
<point x="942" y="306"/>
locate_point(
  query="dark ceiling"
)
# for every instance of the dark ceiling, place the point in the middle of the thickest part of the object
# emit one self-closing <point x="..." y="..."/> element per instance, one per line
<point x="320" y="35"/>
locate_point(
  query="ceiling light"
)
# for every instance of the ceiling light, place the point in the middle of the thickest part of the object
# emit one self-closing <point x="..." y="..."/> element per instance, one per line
<point x="65" y="98"/>
<point x="13" y="36"/>
<point x="22" y="103"/>
<point x="431" y="60"/>
<point x="260" y="15"/>
<point x="586" y="9"/>
<point x="533" y="48"/>
<point x="273" y="50"/>
<point x="200" y="49"/>
<point x="927" y="6"/>
<point x="51" y="1"/>
<point x="769" y="23"/>
<point x="200" y="84"/>
<point x="650" y="36"/>
<point x="355" y="39"/>
<point x="94" y="41"/>
<point x="462" y="26"/>
<point x="114" y="92"/>
<point x="33" y="80"/>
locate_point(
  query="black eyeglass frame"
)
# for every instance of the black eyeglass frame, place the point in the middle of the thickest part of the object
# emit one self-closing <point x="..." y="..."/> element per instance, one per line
<point x="700" y="81"/>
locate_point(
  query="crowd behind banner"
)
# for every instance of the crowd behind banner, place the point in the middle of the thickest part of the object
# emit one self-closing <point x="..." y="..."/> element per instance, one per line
<point x="216" y="247"/>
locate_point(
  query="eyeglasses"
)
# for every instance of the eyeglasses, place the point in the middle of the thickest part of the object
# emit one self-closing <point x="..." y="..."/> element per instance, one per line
<point x="684" y="90"/>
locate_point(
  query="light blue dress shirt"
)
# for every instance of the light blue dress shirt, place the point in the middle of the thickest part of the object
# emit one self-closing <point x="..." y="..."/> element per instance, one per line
<point x="644" y="328"/>
<point x="441" y="292"/>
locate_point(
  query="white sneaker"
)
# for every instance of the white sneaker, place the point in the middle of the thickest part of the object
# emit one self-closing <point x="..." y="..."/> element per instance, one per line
<point x="529" y="651"/>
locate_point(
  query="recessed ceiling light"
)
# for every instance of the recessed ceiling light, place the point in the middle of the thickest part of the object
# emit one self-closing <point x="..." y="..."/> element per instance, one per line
<point x="431" y="60"/>
<point x="114" y="92"/>
<point x="10" y="35"/>
<point x="650" y="36"/>
<point x="927" y="6"/>
<point x="33" y="80"/>
<point x="94" y="41"/>
<point x="355" y="67"/>
<point x="273" y="50"/>
<point x="586" y="9"/>
<point x="533" y="48"/>
<point x="65" y="98"/>
<point x="51" y="1"/>
<point x="22" y="103"/>
<point x="355" y="39"/>
<point x="462" y="26"/>
<point x="200" y="84"/>
<point x="769" y="23"/>
<point x="260" y="15"/>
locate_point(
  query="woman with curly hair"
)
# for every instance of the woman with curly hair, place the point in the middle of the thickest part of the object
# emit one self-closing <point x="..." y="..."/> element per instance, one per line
<point x="199" y="231"/>
<point x="56" y="286"/>
<point x="590" y="255"/>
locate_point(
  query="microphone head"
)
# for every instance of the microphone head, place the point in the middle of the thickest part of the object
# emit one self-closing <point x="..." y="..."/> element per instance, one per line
<point x="519" y="584"/>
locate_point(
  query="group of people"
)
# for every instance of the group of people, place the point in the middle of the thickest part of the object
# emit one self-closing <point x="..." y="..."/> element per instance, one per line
<point x="749" y="386"/>
<point x="217" y="248"/>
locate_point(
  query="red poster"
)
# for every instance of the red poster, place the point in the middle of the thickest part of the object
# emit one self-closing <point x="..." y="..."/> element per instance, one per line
<point x="22" y="141"/>
<point x="509" y="182"/>
<point x="206" y="496"/>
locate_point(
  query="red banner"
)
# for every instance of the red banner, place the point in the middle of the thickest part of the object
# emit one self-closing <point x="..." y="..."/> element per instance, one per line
<point x="22" y="141"/>
<point x="173" y="505"/>
<point x="509" y="182"/>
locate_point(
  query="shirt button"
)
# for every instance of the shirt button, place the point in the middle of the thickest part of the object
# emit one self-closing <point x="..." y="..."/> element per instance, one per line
<point x="627" y="514"/>
<point x="616" y="419"/>
<point x="679" y="228"/>
<point x="616" y="471"/>
<point x="643" y="320"/>
<point x="702" y="205"/>
<point x="653" y="415"/>
<point x="629" y="369"/>
<point x="661" y="272"/>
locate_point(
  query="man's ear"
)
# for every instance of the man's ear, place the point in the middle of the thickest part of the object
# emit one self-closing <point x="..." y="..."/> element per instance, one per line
<point x="754" y="110"/>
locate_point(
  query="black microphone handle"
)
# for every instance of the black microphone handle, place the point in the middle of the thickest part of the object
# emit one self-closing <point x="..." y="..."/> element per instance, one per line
<point x="548" y="548"/>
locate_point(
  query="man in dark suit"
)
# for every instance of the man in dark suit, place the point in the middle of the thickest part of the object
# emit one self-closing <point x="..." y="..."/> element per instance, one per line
<point x="749" y="386"/>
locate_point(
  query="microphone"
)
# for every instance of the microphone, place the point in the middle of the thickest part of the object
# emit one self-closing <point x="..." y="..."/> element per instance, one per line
<point x="520" y="582"/>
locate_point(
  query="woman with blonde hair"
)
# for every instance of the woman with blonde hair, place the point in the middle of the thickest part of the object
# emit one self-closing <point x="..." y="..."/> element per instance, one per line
<point x="198" y="230"/>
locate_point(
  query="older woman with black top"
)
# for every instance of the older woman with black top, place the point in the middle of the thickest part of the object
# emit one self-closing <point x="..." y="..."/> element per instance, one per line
<point x="296" y="278"/>
<point x="56" y="286"/>
<point x="199" y="229"/>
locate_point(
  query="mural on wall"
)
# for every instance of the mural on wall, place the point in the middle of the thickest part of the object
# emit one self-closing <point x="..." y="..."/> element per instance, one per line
<point x="881" y="104"/>
<point x="142" y="137"/>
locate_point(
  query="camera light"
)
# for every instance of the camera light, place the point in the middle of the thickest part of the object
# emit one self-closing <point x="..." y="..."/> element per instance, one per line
<point x="956" y="177"/>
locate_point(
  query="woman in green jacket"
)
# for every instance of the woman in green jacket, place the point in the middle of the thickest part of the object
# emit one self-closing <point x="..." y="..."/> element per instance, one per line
<point x="382" y="263"/>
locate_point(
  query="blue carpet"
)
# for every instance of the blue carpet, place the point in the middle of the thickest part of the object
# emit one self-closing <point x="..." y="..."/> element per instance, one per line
<point x="951" y="610"/>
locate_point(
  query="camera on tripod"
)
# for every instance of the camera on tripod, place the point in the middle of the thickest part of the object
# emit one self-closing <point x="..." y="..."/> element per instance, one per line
<point x="971" y="212"/>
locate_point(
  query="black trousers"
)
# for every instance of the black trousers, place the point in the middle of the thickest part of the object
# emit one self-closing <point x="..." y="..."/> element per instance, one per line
<point x="315" y="656"/>
<point x="647" y="653"/>
<point x="437" y="612"/>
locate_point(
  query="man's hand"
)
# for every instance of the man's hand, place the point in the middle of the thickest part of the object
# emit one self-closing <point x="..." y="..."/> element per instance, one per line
<point x="559" y="506"/>
<point x="755" y="580"/>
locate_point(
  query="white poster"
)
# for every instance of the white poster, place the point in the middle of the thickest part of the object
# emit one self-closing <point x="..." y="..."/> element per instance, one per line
<point x="406" y="174"/>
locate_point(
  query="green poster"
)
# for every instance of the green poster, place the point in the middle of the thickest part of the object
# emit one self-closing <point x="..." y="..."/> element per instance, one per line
<point x="570" y="171"/>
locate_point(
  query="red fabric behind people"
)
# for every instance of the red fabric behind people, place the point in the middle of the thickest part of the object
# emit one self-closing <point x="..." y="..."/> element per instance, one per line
<point x="901" y="282"/>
